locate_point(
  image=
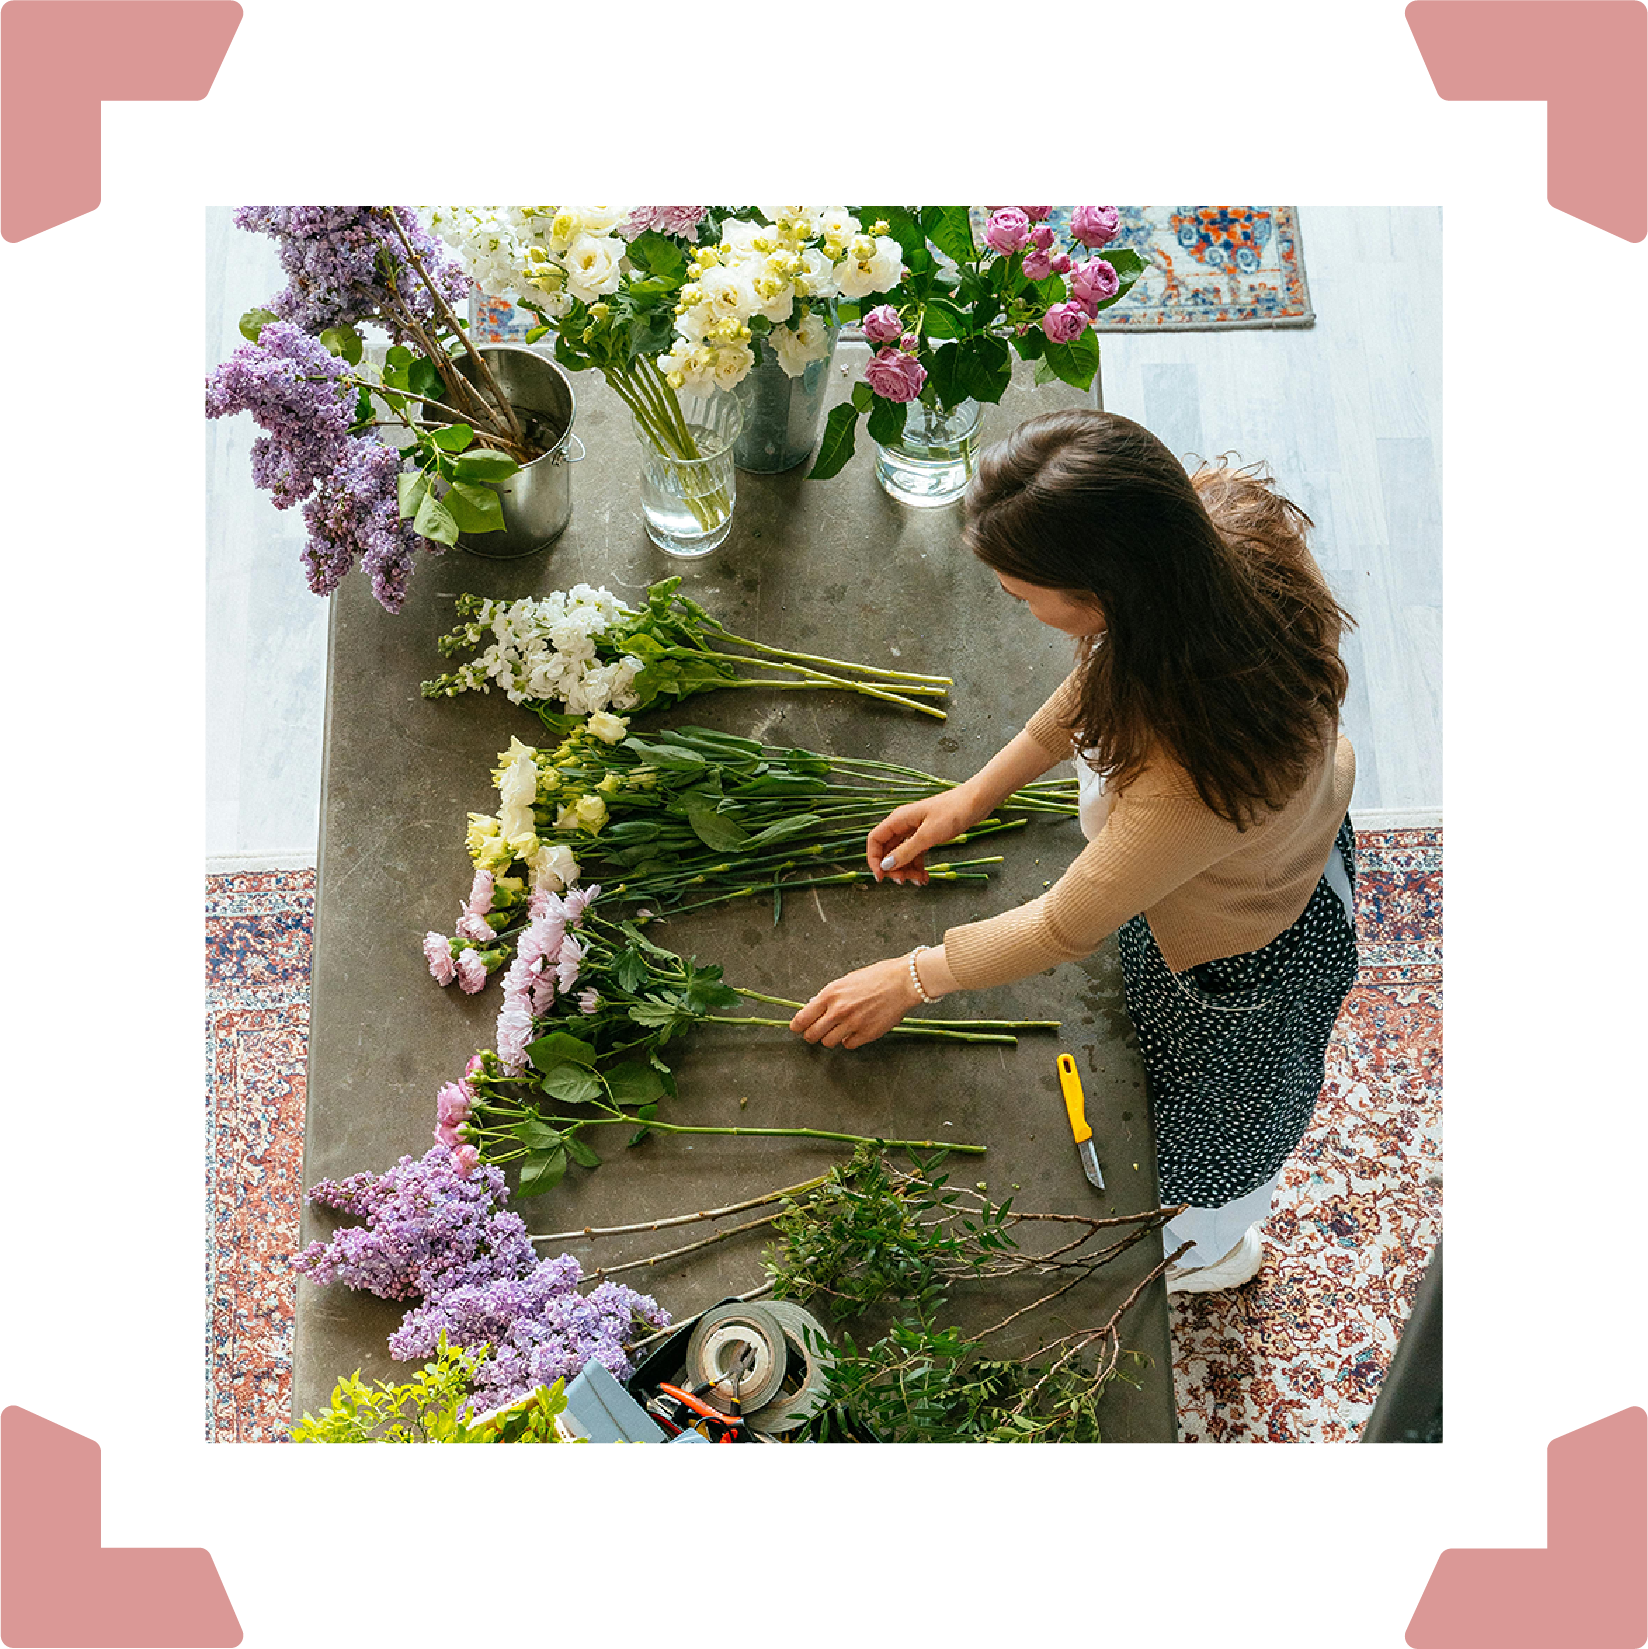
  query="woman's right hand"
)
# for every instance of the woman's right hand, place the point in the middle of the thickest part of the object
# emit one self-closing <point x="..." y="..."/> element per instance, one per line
<point x="897" y="848"/>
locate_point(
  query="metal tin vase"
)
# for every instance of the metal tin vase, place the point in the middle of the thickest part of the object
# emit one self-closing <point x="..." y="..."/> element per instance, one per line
<point x="782" y="415"/>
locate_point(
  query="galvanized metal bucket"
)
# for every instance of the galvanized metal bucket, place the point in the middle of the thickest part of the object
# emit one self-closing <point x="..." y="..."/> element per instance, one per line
<point x="537" y="499"/>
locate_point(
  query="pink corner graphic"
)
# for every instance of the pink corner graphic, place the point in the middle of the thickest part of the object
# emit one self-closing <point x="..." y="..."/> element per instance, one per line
<point x="61" y="61"/>
<point x="61" y="1588"/>
<point x="1586" y="60"/>
<point x="1587" y="1587"/>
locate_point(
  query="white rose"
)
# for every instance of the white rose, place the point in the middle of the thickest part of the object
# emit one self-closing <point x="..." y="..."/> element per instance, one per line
<point x="592" y="267"/>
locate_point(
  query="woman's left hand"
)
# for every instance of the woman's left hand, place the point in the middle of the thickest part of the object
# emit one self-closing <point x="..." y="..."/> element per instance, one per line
<point x="858" y="1007"/>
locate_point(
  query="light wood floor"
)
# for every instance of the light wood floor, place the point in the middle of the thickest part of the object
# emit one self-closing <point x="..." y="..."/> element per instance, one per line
<point x="1348" y="414"/>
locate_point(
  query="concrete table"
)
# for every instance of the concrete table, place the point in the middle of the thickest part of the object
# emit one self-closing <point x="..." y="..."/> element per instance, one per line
<point x="834" y="568"/>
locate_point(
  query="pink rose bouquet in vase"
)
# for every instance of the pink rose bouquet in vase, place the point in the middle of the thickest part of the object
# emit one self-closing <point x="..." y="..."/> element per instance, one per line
<point x="945" y="336"/>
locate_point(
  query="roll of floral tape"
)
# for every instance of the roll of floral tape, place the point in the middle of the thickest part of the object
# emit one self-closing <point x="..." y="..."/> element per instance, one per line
<point x="717" y="1344"/>
<point x="807" y="1379"/>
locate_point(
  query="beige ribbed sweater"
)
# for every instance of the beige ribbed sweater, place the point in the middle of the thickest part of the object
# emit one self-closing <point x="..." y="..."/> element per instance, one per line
<point x="1206" y="888"/>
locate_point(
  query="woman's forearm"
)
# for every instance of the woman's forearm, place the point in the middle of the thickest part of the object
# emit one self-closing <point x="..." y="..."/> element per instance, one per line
<point x="1018" y="763"/>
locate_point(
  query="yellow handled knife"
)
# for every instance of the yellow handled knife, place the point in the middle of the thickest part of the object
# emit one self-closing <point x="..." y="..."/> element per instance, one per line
<point x="1076" y="1105"/>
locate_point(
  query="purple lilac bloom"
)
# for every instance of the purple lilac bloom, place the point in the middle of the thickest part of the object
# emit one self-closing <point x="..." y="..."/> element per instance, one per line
<point x="430" y="1225"/>
<point x="1095" y="226"/>
<point x="346" y="264"/>
<point x="437" y="950"/>
<point x="286" y="381"/>
<point x="356" y="511"/>
<point x="540" y="1327"/>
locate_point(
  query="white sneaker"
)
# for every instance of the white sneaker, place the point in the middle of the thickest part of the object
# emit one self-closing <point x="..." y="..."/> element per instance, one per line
<point x="1240" y="1265"/>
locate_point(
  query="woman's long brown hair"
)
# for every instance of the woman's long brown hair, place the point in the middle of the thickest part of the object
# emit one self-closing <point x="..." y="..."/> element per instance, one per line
<point x="1222" y="637"/>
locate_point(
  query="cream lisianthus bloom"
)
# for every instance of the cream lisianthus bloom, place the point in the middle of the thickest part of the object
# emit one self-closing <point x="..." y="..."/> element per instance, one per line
<point x="592" y="267"/>
<point x="553" y="868"/>
<point x="607" y="727"/>
<point x="732" y="364"/>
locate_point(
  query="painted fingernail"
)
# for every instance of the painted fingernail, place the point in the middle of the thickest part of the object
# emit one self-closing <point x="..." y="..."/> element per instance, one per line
<point x="889" y="861"/>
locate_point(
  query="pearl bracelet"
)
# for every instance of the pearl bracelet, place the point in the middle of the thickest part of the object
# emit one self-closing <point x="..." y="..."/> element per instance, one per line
<point x="915" y="978"/>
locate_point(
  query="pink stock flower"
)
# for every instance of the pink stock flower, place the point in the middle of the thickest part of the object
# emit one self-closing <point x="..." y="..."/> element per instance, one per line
<point x="438" y="953"/>
<point x="1064" y="322"/>
<point x="480" y="894"/>
<point x="1008" y="229"/>
<point x="471" y="972"/>
<point x="1092" y="282"/>
<point x="1095" y="225"/>
<point x="453" y="1105"/>
<point x="467" y="1158"/>
<point x="882" y="325"/>
<point x="895" y="376"/>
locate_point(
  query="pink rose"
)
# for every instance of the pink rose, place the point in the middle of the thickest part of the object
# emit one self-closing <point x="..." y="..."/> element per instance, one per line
<point x="437" y="952"/>
<point x="467" y="1159"/>
<point x="471" y="971"/>
<point x="1037" y="264"/>
<point x="1036" y="213"/>
<point x="1095" y="225"/>
<point x="1061" y="264"/>
<point x="453" y="1104"/>
<point x="1093" y="282"/>
<point x="895" y="376"/>
<point x="1008" y="229"/>
<point x="1064" y="322"/>
<point x="882" y="325"/>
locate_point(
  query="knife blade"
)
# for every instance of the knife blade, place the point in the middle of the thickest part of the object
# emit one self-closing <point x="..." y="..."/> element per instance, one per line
<point x="1076" y="1105"/>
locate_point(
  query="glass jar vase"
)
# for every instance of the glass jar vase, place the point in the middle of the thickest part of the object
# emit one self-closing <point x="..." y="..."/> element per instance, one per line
<point x="688" y="486"/>
<point x="934" y="459"/>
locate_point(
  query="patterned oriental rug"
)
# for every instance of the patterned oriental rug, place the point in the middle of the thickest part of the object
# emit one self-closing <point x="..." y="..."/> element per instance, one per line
<point x="1209" y="268"/>
<point x="1294" y="1356"/>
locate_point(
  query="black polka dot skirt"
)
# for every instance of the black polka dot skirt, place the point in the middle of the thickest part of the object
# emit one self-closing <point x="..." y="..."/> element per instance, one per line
<point x="1234" y="1050"/>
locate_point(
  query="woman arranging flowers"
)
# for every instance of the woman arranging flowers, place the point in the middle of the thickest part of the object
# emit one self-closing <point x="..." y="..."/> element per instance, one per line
<point x="1203" y="708"/>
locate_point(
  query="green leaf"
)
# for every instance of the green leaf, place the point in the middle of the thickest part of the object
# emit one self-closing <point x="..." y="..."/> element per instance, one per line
<point x="950" y="229"/>
<point x="559" y="1045"/>
<point x="863" y="396"/>
<point x="474" y="508"/>
<point x="713" y="829"/>
<point x="534" y="333"/>
<point x="537" y="1136"/>
<point x="1030" y="344"/>
<point x="344" y="341"/>
<point x="398" y="355"/>
<point x="253" y="322"/>
<point x="485" y="464"/>
<point x="902" y="226"/>
<point x="541" y="1173"/>
<point x="1075" y="363"/>
<point x="434" y="520"/>
<point x="943" y="319"/>
<point x="986" y="368"/>
<point x="584" y="1155"/>
<point x="635" y="1083"/>
<point x="657" y="1014"/>
<point x="411" y="485"/>
<point x="837" y="445"/>
<point x="631" y="970"/>
<point x="422" y="378"/>
<point x="454" y="438"/>
<point x="658" y="255"/>
<point x="569" y="1083"/>
<point x="887" y="421"/>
